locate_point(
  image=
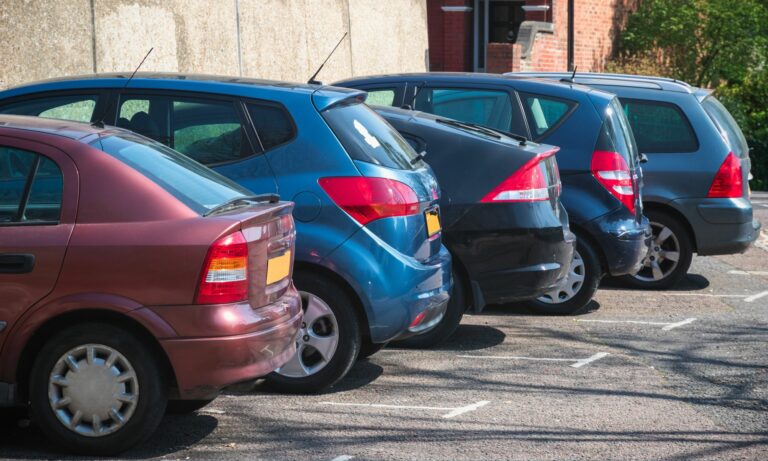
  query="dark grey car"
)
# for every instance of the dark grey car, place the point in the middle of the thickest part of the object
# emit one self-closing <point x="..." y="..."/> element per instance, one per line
<point x="696" y="191"/>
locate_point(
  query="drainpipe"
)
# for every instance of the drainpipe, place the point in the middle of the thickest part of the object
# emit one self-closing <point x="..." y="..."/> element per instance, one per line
<point x="570" y="36"/>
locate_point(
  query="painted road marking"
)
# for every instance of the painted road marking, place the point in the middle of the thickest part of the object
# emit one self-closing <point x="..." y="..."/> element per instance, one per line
<point x="738" y="272"/>
<point x="577" y="363"/>
<point x="452" y="411"/>
<point x="342" y="458"/>
<point x="666" y="326"/>
<point x="595" y="357"/>
<point x="756" y="297"/>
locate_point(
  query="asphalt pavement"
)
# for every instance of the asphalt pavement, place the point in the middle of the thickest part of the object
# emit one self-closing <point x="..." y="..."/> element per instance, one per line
<point x="679" y="375"/>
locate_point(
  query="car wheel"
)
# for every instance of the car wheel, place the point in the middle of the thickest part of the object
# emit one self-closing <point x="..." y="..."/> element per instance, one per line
<point x="368" y="348"/>
<point x="454" y="312"/>
<point x="669" y="257"/>
<point x="579" y="286"/>
<point x="328" y="341"/>
<point x="97" y="389"/>
<point x="185" y="407"/>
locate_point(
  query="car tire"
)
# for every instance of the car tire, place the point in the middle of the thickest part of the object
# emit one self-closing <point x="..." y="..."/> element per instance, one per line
<point x="72" y="372"/>
<point x="454" y="312"/>
<point x="579" y="288"/>
<point x="368" y="348"/>
<point x="670" y="237"/>
<point x="328" y="311"/>
<point x="185" y="407"/>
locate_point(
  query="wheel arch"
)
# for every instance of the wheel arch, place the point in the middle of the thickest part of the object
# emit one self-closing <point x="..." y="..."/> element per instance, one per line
<point x="674" y="212"/>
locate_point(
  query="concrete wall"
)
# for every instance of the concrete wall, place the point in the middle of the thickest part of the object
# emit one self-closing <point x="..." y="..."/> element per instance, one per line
<point x="274" y="39"/>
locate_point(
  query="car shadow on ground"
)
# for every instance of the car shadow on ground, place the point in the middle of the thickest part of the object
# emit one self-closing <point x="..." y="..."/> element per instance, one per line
<point x="467" y="338"/>
<point x="691" y="282"/>
<point x="21" y="440"/>
<point x="523" y="310"/>
<point x="362" y="373"/>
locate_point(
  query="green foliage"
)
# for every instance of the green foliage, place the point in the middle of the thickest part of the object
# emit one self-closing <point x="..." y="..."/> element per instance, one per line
<point x="720" y="44"/>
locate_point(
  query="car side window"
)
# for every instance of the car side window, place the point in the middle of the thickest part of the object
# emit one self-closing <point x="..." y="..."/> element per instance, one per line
<point x="381" y="97"/>
<point x="545" y="112"/>
<point x="659" y="127"/>
<point x="273" y="124"/>
<point x="208" y="131"/>
<point x="492" y="108"/>
<point x="78" y="108"/>
<point x="31" y="188"/>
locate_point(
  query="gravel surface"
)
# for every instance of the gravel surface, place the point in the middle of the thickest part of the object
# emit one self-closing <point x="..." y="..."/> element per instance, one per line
<point x="681" y="374"/>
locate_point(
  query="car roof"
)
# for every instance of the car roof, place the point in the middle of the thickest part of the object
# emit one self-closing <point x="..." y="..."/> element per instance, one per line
<point x="219" y="84"/>
<point x="48" y="126"/>
<point x="624" y="80"/>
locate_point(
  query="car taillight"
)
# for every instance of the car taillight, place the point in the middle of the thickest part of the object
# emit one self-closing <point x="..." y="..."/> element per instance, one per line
<point x="368" y="199"/>
<point x="728" y="182"/>
<point x="528" y="184"/>
<point x="225" y="271"/>
<point x="612" y="172"/>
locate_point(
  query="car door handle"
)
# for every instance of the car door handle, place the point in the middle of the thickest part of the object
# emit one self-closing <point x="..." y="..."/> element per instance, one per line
<point x="16" y="263"/>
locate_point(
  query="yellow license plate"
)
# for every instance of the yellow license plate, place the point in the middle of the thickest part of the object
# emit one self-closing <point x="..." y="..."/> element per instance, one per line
<point x="278" y="268"/>
<point x="433" y="221"/>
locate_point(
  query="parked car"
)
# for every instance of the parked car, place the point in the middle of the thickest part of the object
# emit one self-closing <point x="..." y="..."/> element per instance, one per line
<point x="130" y="275"/>
<point x="368" y="256"/>
<point x="502" y="218"/>
<point x="598" y="159"/>
<point x="686" y="133"/>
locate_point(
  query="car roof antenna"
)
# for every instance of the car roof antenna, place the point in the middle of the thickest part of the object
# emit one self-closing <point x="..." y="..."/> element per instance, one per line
<point x="100" y="122"/>
<point x="312" y="80"/>
<point x="573" y="76"/>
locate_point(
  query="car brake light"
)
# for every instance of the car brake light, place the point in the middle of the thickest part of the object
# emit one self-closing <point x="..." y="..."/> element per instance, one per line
<point x="225" y="271"/>
<point x="368" y="199"/>
<point x="612" y="172"/>
<point x="527" y="184"/>
<point x="728" y="182"/>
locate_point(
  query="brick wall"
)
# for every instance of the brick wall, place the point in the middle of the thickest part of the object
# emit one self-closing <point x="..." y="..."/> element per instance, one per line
<point x="450" y="35"/>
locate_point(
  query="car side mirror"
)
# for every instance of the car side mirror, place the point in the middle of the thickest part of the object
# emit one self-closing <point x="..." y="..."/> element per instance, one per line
<point x="643" y="158"/>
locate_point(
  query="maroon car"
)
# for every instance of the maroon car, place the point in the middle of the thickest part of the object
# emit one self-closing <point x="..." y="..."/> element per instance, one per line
<point x="131" y="275"/>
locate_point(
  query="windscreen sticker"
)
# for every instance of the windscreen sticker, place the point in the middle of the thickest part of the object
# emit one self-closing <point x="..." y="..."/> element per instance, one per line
<point x="367" y="136"/>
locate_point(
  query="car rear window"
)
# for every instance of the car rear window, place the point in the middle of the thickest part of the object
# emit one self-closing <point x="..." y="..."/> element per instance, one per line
<point x="727" y="125"/>
<point x="368" y="138"/>
<point x="616" y="134"/>
<point x="193" y="184"/>
<point x="659" y="127"/>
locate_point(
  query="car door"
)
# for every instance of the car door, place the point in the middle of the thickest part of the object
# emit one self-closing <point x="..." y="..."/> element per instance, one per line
<point x="38" y="203"/>
<point x="212" y="129"/>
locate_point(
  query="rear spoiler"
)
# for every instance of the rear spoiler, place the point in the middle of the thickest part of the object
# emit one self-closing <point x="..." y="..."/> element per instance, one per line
<point x="326" y="97"/>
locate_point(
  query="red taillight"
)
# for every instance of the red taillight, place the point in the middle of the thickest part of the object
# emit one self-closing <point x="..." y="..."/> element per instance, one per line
<point x="528" y="184"/>
<point x="612" y="172"/>
<point x="368" y="199"/>
<point x="225" y="272"/>
<point x="728" y="182"/>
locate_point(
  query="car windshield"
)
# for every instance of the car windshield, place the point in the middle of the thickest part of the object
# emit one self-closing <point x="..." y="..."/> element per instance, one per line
<point x="368" y="138"/>
<point x="727" y="125"/>
<point x="198" y="187"/>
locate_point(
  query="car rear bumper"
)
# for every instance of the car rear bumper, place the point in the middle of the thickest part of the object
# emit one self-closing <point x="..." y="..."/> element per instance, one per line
<point x="523" y="263"/>
<point x="721" y="226"/>
<point x="623" y="241"/>
<point x="220" y="345"/>
<point x="394" y="288"/>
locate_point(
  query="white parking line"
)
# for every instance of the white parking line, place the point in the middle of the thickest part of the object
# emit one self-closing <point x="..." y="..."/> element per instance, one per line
<point x="342" y="458"/>
<point x="577" y="363"/>
<point x="708" y="295"/>
<point x="666" y="326"/>
<point x="756" y="297"/>
<point x="452" y="411"/>
<point x="595" y="357"/>
<point x="738" y="272"/>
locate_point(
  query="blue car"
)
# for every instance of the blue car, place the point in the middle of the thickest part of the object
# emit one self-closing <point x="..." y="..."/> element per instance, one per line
<point x="598" y="159"/>
<point x="369" y="259"/>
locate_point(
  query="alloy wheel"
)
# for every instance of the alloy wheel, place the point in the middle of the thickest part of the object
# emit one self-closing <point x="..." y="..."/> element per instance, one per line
<point x="570" y="286"/>
<point x="93" y="390"/>
<point x="663" y="256"/>
<point x="316" y="341"/>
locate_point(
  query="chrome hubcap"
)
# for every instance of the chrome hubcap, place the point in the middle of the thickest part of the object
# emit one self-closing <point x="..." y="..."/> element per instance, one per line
<point x="570" y="286"/>
<point x="663" y="255"/>
<point x="316" y="341"/>
<point x="93" y="390"/>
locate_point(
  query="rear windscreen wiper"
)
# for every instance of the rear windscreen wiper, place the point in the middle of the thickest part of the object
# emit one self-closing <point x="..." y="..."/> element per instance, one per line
<point x="233" y="203"/>
<point x="493" y="132"/>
